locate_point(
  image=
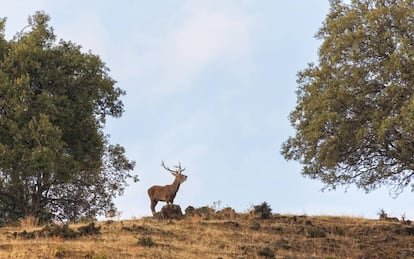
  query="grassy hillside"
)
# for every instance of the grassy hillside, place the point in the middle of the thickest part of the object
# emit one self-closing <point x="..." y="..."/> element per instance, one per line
<point x="213" y="236"/>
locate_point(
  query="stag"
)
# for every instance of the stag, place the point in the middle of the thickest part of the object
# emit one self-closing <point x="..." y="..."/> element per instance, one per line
<point x="167" y="193"/>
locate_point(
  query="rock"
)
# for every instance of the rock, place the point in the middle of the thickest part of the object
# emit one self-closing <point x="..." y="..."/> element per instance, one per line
<point x="206" y="212"/>
<point x="170" y="211"/>
<point x="227" y="213"/>
<point x="190" y="211"/>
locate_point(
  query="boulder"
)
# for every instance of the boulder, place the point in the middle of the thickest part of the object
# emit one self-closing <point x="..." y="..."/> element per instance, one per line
<point x="227" y="213"/>
<point x="190" y="211"/>
<point x="170" y="211"/>
<point x="206" y="212"/>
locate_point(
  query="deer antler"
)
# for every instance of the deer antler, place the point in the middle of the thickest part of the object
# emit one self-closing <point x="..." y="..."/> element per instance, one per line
<point x="179" y="169"/>
<point x="168" y="169"/>
<point x="167" y="193"/>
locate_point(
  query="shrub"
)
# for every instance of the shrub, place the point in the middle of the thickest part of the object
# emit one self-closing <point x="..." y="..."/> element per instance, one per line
<point x="59" y="231"/>
<point x="90" y="229"/>
<point x="146" y="241"/>
<point x="112" y="213"/>
<point x="282" y="244"/>
<point x="382" y="214"/>
<point x="267" y="253"/>
<point x="316" y="232"/>
<point x="263" y="210"/>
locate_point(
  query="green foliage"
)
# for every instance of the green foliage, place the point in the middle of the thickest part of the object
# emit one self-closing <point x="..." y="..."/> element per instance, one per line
<point x="354" y="116"/>
<point x="382" y="214"/>
<point x="55" y="159"/>
<point x="263" y="210"/>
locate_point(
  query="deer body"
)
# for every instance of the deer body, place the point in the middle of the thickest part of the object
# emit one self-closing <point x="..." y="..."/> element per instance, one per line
<point x="166" y="193"/>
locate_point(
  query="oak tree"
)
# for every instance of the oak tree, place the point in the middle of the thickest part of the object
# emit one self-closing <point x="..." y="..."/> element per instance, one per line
<point x="354" y="117"/>
<point x="55" y="160"/>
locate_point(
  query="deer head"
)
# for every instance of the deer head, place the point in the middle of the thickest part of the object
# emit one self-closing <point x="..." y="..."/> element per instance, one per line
<point x="167" y="193"/>
<point x="177" y="173"/>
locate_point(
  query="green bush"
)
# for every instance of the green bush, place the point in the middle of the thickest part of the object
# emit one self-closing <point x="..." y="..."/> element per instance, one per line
<point x="263" y="210"/>
<point x="382" y="214"/>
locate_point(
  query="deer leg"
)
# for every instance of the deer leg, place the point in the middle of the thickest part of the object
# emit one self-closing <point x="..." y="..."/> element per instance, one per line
<point x="170" y="201"/>
<point x="153" y="204"/>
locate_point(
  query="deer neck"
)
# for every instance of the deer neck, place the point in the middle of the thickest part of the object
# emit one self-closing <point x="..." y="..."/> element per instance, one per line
<point x="176" y="184"/>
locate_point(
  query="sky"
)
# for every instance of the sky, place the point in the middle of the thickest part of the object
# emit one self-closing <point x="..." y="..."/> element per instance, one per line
<point x="210" y="84"/>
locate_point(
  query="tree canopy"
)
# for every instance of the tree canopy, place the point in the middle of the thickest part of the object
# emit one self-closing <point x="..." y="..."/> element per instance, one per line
<point x="354" y="115"/>
<point x="55" y="159"/>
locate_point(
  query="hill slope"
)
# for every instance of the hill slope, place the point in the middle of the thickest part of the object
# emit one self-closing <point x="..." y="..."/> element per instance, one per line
<point x="238" y="236"/>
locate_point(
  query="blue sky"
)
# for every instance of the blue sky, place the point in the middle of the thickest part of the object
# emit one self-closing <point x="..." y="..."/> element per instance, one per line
<point x="210" y="84"/>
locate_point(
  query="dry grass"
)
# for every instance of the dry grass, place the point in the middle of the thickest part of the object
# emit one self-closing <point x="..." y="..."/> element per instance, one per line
<point x="245" y="236"/>
<point x="29" y="222"/>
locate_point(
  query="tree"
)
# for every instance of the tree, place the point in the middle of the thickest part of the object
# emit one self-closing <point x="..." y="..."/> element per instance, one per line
<point x="55" y="159"/>
<point x="354" y="115"/>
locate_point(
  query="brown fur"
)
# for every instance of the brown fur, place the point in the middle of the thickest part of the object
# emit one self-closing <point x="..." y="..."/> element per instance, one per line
<point x="166" y="193"/>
